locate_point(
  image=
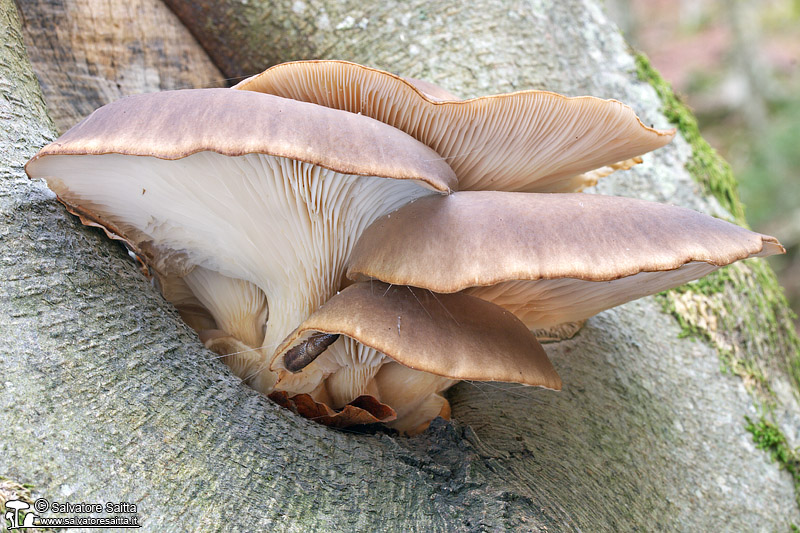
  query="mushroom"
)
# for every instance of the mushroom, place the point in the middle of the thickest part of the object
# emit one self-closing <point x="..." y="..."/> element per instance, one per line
<point x="531" y="141"/>
<point x="419" y="344"/>
<point x="245" y="206"/>
<point x="549" y="259"/>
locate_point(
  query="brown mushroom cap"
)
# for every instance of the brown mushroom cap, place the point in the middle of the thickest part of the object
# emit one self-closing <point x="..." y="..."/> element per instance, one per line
<point x="562" y="257"/>
<point x="534" y="141"/>
<point x="176" y="124"/>
<point x="450" y="335"/>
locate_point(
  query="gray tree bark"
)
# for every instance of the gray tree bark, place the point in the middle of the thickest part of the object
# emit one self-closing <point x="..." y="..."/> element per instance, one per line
<point x="88" y="53"/>
<point x="107" y="396"/>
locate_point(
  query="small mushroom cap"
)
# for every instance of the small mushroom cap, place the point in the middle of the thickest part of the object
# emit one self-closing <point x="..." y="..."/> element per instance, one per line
<point x="363" y="410"/>
<point x="531" y="141"/>
<point x="176" y="124"/>
<point x="451" y="335"/>
<point x="560" y="246"/>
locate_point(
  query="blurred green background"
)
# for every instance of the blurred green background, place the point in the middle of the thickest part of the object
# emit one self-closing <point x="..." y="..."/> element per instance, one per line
<point x="736" y="63"/>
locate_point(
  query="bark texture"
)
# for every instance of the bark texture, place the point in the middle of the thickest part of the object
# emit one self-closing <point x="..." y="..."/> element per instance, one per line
<point x="88" y="53"/>
<point x="107" y="396"/>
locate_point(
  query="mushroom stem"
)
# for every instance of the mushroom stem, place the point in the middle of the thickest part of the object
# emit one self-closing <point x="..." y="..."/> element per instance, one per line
<point x="350" y="382"/>
<point x="238" y="307"/>
<point x="412" y="394"/>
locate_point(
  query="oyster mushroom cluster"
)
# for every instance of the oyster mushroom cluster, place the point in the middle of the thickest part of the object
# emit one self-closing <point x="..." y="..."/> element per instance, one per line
<point x="306" y="224"/>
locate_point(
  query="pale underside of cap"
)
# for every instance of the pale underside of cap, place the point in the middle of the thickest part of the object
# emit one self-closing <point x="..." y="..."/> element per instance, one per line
<point x="533" y="141"/>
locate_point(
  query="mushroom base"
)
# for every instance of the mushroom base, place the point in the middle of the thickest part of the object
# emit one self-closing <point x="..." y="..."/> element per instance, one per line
<point x="348" y="372"/>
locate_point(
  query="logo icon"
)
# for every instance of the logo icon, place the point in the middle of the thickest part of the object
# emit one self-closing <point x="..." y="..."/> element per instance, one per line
<point x="14" y="512"/>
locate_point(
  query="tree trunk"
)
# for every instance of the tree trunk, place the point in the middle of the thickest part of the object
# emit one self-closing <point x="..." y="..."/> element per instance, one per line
<point x="107" y="396"/>
<point x="88" y="53"/>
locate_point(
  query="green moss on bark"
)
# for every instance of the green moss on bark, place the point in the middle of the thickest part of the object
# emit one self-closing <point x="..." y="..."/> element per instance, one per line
<point x="13" y="490"/>
<point x="756" y="346"/>
<point x="769" y="437"/>
<point x="706" y="166"/>
<point x="771" y="328"/>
